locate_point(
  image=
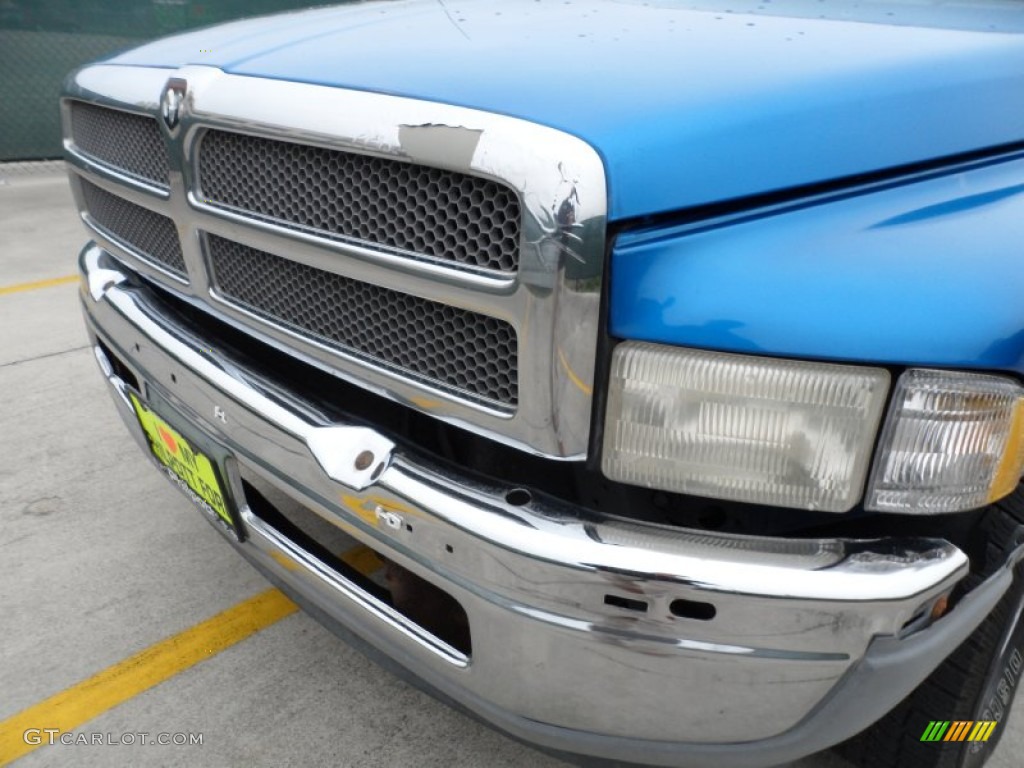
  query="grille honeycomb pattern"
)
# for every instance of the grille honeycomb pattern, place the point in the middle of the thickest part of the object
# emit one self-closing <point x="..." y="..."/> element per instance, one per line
<point x="130" y="143"/>
<point x="443" y="215"/>
<point x="452" y="347"/>
<point x="151" y="234"/>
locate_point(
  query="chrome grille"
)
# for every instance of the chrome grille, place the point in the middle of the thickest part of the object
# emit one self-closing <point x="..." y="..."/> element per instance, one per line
<point x="151" y="235"/>
<point x="131" y="143"/>
<point x="453" y="348"/>
<point x="421" y="211"/>
<point x="511" y="231"/>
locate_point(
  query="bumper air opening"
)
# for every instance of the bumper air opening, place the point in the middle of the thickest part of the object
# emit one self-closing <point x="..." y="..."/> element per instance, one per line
<point x="122" y="371"/>
<point x="428" y="606"/>
<point x="518" y="497"/>
<point x="640" y="606"/>
<point x="692" y="609"/>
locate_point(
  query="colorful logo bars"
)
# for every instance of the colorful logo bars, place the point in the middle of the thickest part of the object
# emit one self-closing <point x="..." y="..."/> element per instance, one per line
<point x="958" y="730"/>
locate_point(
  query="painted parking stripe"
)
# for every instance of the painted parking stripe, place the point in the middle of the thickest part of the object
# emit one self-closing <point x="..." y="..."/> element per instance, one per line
<point x="37" y="284"/>
<point x="116" y="684"/>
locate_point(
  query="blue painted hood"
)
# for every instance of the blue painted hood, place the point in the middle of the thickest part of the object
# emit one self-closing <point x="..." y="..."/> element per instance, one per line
<point x="688" y="104"/>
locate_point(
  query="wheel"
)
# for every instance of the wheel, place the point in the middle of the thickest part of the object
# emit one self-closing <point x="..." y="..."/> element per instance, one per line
<point x="978" y="680"/>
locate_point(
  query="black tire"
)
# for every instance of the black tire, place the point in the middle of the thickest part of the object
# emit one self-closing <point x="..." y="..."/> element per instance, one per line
<point x="977" y="682"/>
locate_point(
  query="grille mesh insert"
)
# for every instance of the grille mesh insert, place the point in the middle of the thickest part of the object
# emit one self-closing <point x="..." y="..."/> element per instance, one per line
<point x="452" y="347"/>
<point x="444" y="215"/>
<point x="130" y="143"/>
<point x="151" y="234"/>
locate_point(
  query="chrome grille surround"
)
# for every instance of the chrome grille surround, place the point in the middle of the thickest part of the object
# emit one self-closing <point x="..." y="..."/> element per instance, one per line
<point x="125" y="141"/>
<point x="420" y="211"/>
<point x="551" y="302"/>
<point x="458" y="350"/>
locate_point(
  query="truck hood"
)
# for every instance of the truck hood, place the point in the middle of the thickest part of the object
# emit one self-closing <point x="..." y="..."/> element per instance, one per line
<point x="687" y="104"/>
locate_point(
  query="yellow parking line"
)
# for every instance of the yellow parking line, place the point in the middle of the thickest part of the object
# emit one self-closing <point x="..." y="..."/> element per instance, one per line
<point x="35" y="284"/>
<point x="116" y="684"/>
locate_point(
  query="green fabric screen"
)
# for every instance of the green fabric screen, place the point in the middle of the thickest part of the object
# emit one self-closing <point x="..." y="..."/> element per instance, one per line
<point x="42" y="40"/>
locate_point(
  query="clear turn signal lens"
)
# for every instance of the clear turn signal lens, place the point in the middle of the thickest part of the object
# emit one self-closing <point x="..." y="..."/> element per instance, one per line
<point x="952" y="441"/>
<point x="766" y="431"/>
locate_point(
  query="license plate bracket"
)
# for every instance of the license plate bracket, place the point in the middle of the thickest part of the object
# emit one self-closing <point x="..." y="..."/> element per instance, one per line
<point x="189" y="462"/>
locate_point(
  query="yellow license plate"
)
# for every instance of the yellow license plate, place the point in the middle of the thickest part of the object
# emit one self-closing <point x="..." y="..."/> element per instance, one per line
<point x="189" y="465"/>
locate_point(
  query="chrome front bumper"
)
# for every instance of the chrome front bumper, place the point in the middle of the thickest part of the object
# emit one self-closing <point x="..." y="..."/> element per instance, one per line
<point x="802" y="631"/>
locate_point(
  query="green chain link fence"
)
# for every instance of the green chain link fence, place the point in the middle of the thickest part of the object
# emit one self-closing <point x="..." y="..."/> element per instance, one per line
<point x="42" y="40"/>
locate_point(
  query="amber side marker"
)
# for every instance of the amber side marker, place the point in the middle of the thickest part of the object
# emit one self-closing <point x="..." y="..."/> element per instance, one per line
<point x="940" y="607"/>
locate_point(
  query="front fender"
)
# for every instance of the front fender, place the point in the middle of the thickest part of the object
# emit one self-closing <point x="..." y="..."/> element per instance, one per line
<point x="923" y="271"/>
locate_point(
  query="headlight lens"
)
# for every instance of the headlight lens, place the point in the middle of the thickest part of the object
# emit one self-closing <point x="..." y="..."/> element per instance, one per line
<point x="952" y="441"/>
<point x="777" y="432"/>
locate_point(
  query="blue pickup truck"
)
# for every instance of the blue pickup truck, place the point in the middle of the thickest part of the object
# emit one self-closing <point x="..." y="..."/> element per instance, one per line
<point x="668" y="356"/>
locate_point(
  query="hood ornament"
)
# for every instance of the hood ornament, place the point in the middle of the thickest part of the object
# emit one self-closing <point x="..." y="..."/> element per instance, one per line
<point x="171" y="101"/>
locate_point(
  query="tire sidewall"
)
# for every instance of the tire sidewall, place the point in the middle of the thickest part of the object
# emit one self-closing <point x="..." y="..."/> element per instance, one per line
<point x="1002" y="679"/>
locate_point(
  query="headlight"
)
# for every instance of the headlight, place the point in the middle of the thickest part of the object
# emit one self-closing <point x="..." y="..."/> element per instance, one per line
<point x="777" y="432"/>
<point x="952" y="441"/>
